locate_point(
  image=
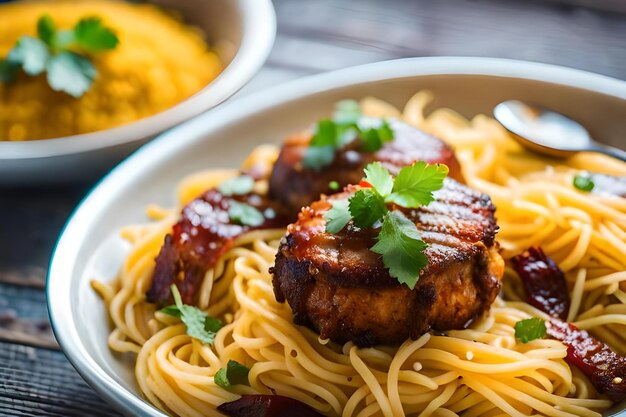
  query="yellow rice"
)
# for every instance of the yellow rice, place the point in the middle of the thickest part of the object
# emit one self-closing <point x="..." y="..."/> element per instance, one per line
<point x="159" y="62"/>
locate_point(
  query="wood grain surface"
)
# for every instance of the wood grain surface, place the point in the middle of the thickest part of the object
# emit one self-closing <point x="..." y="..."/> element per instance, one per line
<point x="313" y="36"/>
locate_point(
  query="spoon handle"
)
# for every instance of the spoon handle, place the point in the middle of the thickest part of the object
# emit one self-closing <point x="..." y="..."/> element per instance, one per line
<point x="610" y="151"/>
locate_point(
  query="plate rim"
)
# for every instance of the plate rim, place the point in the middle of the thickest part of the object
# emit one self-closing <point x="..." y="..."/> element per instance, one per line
<point x="73" y="234"/>
<point x="258" y="20"/>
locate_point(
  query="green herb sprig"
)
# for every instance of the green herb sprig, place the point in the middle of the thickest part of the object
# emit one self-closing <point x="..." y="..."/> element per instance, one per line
<point x="241" y="213"/>
<point x="233" y="373"/>
<point x="398" y="241"/>
<point x="530" y="329"/>
<point x="199" y="325"/>
<point x="583" y="182"/>
<point x="241" y="185"/>
<point x="347" y="124"/>
<point x="62" y="54"/>
<point x="245" y="214"/>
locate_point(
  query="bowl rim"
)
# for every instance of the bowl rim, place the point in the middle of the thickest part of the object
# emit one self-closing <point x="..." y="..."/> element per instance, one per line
<point x="61" y="276"/>
<point x="258" y="20"/>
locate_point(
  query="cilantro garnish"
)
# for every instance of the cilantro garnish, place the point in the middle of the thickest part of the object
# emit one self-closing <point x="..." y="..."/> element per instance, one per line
<point x="244" y="214"/>
<point x="62" y="54"/>
<point x="347" y="124"/>
<point x="171" y="311"/>
<point x="46" y="30"/>
<point x="338" y="216"/>
<point x="240" y="185"/>
<point x="233" y="373"/>
<point x="402" y="249"/>
<point x="398" y="241"/>
<point x="31" y="53"/>
<point x="199" y="325"/>
<point x="91" y="36"/>
<point x="378" y="176"/>
<point x="71" y="73"/>
<point x="367" y="206"/>
<point x="530" y="329"/>
<point x="347" y="111"/>
<point x="583" y="182"/>
<point x="415" y="186"/>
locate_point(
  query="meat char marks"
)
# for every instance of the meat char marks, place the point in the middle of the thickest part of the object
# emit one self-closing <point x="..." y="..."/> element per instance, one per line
<point x="338" y="287"/>
<point x="297" y="186"/>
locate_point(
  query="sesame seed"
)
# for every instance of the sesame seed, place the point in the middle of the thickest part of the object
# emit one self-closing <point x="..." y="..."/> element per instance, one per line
<point x="617" y="380"/>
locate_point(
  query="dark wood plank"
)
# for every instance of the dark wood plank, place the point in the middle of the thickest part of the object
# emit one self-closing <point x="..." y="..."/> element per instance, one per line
<point x="24" y="316"/>
<point x="517" y="29"/>
<point x="614" y="6"/>
<point x="31" y="218"/>
<point x="42" y="382"/>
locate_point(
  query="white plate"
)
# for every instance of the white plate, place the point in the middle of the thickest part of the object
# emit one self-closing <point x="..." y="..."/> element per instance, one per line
<point x="89" y="247"/>
<point x="243" y="33"/>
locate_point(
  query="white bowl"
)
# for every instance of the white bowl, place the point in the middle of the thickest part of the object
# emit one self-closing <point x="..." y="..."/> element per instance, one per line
<point x="243" y="31"/>
<point x="90" y="247"/>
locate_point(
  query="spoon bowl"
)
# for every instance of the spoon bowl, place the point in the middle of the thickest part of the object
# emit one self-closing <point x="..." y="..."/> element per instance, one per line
<point x="548" y="132"/>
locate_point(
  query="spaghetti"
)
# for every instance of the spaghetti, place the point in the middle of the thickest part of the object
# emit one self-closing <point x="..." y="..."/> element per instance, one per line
<point x="482" y="370"/>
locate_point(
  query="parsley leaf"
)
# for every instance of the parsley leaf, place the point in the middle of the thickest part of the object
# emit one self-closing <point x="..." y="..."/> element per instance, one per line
<point x="233" y="374"/>
<point x="379" y="177"/>
<point x="57" y="53"/>
<point x="338" y="216"/>
<point x="317" y="158"/>
<point x="46" y="30"/>
<point x="530" y="329"/>
<point x="415" y="184"/>
<point x="347" y="112"/>
<point x="199" y="325"/>
<point x="325" y="134"/>
<point x="347" y="125"/>
<point x="90" y="35"/>
<point x="31" y="53"/>
<point x="374" y="138"/>
<point x="8" y="70"/>
<point x="384" y="132"/>
<point x="321" y="150"/>
<point x="400" y="245"/>
<point x="70" y="73"/>
<point x="240" y="185"/>
<point x="399" y="241"/>
<point x="245" y="214"/>
<point x="211" y="324"/>
<point x="64" y="39"/>
<point x="171" y="311"/>
<point x="367" y="207"/>
<point x="583" y="182"/>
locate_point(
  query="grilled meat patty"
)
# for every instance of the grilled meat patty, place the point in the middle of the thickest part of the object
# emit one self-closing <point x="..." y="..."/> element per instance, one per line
<point x="297" y="186"/>
<point x="338" y="287"/>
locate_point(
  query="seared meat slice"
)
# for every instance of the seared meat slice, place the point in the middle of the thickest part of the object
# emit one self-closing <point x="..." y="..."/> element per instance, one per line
<point x="203" y="234"/>
<point x="297" y="186"/>
<point x="338" y="287"/>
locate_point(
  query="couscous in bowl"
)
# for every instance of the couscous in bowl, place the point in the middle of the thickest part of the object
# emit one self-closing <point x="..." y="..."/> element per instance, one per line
<point x="240" y="32"/>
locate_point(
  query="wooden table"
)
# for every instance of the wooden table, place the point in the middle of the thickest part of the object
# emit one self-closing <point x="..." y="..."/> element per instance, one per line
<point x="313" y="36"/>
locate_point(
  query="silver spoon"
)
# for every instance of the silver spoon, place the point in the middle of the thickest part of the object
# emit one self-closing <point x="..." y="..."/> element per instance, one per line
<point x="548" y="132"/>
